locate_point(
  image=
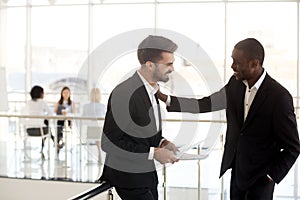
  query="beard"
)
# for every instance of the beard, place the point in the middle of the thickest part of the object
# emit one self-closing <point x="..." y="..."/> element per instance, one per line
<point x="162" y="77"/>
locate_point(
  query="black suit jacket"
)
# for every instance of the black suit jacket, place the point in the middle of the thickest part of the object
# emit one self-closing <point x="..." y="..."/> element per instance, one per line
<point x="267" y="142"/>
<point x="128" y="133"/>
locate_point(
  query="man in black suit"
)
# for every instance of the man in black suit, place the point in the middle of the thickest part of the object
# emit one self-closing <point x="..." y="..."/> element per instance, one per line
<point x="132" y="135"/>
<point x="262" y="141"/>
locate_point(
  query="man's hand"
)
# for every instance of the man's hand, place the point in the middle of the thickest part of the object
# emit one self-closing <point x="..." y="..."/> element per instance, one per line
<point x="164" y="156"/>
<point x="161" y="96"/>
<point x="166" y="144"/>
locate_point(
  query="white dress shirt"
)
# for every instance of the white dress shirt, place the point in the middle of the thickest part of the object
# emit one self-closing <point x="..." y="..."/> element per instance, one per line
<point x="37" y="107"/>
<point x="251" y="92"/>
<point x="151" y="92"/>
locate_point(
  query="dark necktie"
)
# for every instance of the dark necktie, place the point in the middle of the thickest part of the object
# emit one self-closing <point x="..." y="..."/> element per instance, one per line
<point x="158" y="110"/>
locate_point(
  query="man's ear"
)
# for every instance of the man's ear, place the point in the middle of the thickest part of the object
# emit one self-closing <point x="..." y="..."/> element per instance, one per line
<point x="149" y="64"/>
<point x="254" y="63"/>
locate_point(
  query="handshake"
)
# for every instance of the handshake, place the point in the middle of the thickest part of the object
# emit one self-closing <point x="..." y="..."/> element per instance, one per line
<point x="166" y="152"/>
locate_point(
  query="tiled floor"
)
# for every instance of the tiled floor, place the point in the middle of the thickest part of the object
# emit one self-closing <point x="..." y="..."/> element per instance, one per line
<point x="181" y="181"/>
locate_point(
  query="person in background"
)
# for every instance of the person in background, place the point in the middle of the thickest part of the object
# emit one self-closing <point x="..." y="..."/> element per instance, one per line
<point x="64" y="106"/>
<point x="37" y="106"/>
<point x="262" y="141"/>
<point x="132" y="133"/>
<point x="95" y="109"/>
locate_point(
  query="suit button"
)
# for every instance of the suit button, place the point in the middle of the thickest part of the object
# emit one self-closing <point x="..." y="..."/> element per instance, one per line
<point x="242" y="134"/>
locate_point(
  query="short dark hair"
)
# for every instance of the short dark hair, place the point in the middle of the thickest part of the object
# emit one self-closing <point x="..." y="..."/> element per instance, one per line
<point x="36" y="92"/>
<point x="252" y="48"/>
<point x="151" y="47"/>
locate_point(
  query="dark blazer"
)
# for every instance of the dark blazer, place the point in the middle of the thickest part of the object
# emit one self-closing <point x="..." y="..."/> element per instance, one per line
<point x="266" y="143"/>
<point x="128" y="133"/>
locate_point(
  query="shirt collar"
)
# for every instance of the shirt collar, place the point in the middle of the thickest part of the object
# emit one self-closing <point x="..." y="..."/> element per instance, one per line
<point x="150" y="89"/>
<point x="258" y="82"/>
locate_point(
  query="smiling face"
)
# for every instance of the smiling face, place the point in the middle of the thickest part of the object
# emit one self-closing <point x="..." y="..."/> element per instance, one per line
<point x="163" y="67"/>
<point x="65" y="94"/>
<point x="245" y="68"/>
<point x="248" y="57"/>
<point x="240" y="65"/>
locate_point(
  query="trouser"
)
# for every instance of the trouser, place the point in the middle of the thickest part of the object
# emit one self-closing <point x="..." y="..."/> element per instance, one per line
<point x="262" y="189"/>
<point x="60" y="127"/>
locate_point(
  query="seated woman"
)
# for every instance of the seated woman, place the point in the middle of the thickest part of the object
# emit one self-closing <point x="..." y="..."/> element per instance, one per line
<point x="62" y="107"/>
<point x="95" y="109"/>
<point x="37" y="106"/>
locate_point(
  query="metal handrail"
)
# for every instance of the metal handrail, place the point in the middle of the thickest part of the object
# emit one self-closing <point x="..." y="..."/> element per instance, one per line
<point x="93" y="192"/>
<point x="59" y="117"/>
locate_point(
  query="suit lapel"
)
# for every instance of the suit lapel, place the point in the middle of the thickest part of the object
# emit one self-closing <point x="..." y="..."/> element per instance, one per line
<point x="240" y="103"/>
<point x="257" y="101"/>
<point x="149" y="107"/>
<point x="142" y="92"/>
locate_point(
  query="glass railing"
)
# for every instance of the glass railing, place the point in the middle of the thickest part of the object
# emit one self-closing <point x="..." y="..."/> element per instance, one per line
<point x="78" y="159"/>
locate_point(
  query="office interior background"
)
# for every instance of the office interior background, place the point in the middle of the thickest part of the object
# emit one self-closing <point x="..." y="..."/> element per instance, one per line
<point x="47" y="42"/>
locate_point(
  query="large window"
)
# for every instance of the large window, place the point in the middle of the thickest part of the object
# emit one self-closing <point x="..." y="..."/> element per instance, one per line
<point x="59" y="44"/>
<point x="13" y="50"/>
<point x="47" y="42"/>
<point x="52" y="39"/>
<point x="204" y="24"/>
<point x="278" y="37"/>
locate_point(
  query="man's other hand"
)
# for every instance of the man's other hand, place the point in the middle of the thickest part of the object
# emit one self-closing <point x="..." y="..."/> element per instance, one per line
<point x="166" y="144"/>
<point x="164" y="156"/>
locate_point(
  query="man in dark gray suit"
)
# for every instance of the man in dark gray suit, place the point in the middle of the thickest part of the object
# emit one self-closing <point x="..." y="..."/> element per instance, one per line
<point x="262" y="141"/>
<point x="132" y="135"/>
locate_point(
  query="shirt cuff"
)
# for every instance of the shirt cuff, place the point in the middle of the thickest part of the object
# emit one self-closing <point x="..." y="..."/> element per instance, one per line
<point x="168" y="102"/>
<point x="161" y="141"/>
<point x="151" y="153"/>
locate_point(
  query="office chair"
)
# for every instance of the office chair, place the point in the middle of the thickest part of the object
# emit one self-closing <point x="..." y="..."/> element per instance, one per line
<point x="93" y="132"/>
<point x="35" y="128"/>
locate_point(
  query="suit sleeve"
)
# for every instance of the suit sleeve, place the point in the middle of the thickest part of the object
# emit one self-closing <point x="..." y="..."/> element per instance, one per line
<point x="287" y="138"/>
<point x="214" y="102"/>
